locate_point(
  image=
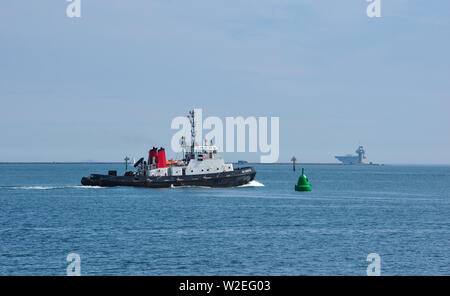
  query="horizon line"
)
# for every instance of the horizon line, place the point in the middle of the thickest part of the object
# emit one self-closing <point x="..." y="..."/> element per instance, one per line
<point x="249" y="163"/>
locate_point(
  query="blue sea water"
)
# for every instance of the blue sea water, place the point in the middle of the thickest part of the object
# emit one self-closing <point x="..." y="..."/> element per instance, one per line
<point x="400" y="212"/>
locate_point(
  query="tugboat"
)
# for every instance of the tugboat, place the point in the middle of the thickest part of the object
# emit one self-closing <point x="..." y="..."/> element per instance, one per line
<point x="201" y="166"/>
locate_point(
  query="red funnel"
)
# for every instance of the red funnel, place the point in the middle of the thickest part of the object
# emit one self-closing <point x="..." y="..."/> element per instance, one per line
<point x="153" y="156"/>
<point x="162" y="158"/>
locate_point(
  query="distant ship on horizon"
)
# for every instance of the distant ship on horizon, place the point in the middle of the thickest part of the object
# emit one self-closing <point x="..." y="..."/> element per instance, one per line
<point x="353" y="159"/>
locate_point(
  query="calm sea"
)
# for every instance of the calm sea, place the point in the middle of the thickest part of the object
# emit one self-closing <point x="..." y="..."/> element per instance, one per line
<point x="400" y="212"/>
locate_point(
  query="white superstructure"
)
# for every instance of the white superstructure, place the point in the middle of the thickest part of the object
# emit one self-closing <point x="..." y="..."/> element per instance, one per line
<point x="198" y="160"/>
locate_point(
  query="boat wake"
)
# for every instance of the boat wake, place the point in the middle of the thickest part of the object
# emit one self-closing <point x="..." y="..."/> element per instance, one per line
<point x="48" y="187"/>
<point x="253" y="184"/>
<point x="250" y="184"/>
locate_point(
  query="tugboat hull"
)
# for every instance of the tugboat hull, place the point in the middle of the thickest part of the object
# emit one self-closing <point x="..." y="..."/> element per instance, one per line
<point x="237" y="177"/>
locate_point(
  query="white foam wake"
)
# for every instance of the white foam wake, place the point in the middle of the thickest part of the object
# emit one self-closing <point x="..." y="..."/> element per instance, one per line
<point x="35" y="187"/>
<point x="250" y="184"/>
<point x="253" y="184"/>
<point x="51" y="187"/>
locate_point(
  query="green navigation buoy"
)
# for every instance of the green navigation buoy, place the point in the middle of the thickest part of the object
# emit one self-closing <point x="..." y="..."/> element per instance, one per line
<point x="303" y="184"/>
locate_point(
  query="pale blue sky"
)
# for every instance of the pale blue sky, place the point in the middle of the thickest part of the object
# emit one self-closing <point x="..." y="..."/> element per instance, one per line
<point x="109" y="84"/>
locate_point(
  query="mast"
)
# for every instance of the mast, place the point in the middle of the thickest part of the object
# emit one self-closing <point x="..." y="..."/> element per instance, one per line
<point x="126" y="162"/>
<point x="192" y="120"/>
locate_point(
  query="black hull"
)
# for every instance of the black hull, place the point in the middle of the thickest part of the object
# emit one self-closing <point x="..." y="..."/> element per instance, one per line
<point x="238" y="177"/>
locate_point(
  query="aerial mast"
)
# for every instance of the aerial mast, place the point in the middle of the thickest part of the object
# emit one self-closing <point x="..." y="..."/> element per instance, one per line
<point x="192" y="120"/>
<point x="126" y="162"/>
